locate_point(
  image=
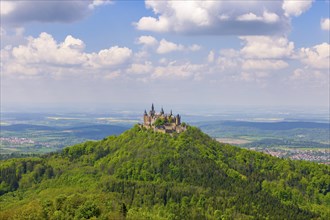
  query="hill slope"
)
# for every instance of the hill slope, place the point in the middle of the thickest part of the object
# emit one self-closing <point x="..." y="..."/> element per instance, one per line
<point x="141" y="174"/>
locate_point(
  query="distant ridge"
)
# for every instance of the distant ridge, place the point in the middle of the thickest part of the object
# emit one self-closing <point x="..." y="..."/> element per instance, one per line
<point x="96" y="131"/>
<point x="23" y="127"/>
<point x="279" y="125"/>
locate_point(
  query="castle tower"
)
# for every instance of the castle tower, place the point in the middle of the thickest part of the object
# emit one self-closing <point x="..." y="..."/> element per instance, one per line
<point x="177" y="119"/>
<point x="145" y="118"/>
<point x="152" y="111"/>
<point x="162" y="111"/>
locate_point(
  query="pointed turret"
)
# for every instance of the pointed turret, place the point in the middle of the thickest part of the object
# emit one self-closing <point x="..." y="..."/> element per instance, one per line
<point x="152" y="111"/>
<point x="171" y="113"/>
<point x="162" y="111"/>
<point x="145" y="112"/>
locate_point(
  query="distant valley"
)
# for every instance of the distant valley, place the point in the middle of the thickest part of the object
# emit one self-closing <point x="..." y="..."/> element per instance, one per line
<point x="39" y="133"/>
<point x="288" y="139"/>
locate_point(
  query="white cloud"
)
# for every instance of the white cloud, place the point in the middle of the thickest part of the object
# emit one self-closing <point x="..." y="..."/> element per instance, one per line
<point x="264" y="64"/>
<point x="317" y="57"/>
<point x="167" y="47"/>
<point x="194" y="47"/>
<point x="6" y="7"/>
<point x="325" y="24"/>
<point x="45" y="49"/>
<point x="43" y="55"/>
<point x="97" y="3"/>
<point x="266" y="47"/>
<point x="310" y="78"/>
<point x="18" y="12"/>
<point x="296" y="7"/>
<point x="216" y="17"/>
<point x="163" y="46"/>
<point x="249" y="17"/>
<point x="149" y="23"/>
<point x="230" y="53"/>
<point x="177" y="70"/>
<point x="228" y="63"/>
<point x="147" y="40"/>
<point x="266" y="17"/>
<point x="110" y="57"/>
<point x="270" y="17"/>
<point x="140" y="68"/>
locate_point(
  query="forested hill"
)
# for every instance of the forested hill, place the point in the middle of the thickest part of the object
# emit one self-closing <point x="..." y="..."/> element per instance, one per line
<point x="145" y="175"/>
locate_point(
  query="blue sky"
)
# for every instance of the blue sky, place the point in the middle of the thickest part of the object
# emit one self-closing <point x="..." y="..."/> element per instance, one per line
<point x="220" y="53"/>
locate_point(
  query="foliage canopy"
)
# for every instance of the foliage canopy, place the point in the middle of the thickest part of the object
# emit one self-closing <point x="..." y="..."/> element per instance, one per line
<point x="142" y="174"/>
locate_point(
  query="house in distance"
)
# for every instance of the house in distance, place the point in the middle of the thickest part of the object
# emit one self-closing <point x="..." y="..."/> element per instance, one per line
<point x="161" y="122"/>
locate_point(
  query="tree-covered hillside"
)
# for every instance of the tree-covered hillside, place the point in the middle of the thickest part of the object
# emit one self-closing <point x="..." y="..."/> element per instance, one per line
<point x="141" y="174"/>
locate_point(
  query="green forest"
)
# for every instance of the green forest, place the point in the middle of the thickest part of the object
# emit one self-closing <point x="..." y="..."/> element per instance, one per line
<point x="141" y="174"/>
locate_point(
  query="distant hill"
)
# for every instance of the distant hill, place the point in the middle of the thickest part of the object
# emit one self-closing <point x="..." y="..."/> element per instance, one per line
<point x="24" y="127"/>
<point x="141" y="174"/>
<point x="97" y="131"/>
<point x="94" y="131"/>
<point x="278" y="125"/>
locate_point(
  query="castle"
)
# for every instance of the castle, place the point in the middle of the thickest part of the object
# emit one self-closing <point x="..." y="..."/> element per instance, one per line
<point x="161" y="122"/>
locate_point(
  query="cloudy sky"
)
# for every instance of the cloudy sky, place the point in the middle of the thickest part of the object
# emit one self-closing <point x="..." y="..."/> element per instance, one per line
<point x="95" y="52"/>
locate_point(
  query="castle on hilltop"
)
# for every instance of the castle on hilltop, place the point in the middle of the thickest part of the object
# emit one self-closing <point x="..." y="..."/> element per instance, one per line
<point x="161" y="122"/>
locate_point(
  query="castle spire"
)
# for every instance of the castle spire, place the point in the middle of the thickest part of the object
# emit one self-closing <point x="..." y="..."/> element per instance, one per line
<point x="152" y="111"/>
<point x="145" y="112"/>
<point x="162" y="111"/>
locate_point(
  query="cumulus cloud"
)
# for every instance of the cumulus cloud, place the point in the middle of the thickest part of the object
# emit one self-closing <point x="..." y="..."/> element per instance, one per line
<point x="164" y="46"/>
<point x="167" y="47"/>
<point x="310" y="78"/>
<point x="147" y="40"/>
<point x="266" y="47"/>
<point x="316" y="57"/>
<point x="220" y="17"/>
<point x="266" y="17"/>
<point x="264" y="64"/>
<point x="296" y="7"/>
<point x="177" y="70"/>
<point x="194" y="47"/>
<point x="96" y="3"/>
<point x="140" y="68"/>
<point x="18" y="12"/>
<point x="44" y="55"/>
<point x="325" y="24"/>
<point x="109" y="57"/>
<point x="45" y="49"/>
<point x="256" y="61"/>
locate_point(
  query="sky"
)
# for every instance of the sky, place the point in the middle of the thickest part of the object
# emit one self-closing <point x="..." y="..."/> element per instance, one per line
<point x="215" y="53"/>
